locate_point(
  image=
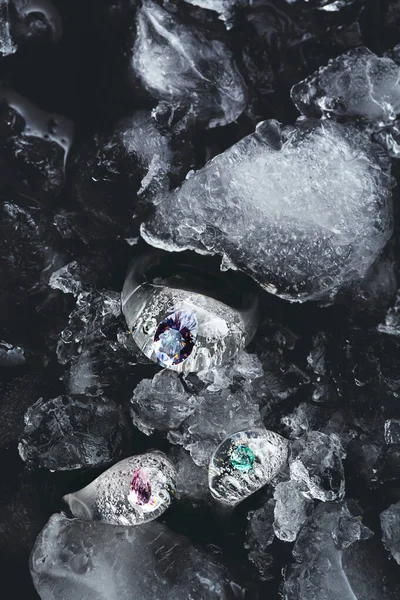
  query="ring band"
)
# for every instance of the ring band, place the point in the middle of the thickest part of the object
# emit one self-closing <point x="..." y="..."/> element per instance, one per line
<point x="184" y="317"/>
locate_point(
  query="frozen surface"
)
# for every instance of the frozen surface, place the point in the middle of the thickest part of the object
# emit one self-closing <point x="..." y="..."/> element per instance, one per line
<point x="176" y="62"/>
<point x="93" y="561"/>
<point x="309" y="208"/>
<point x="291" y="510"/>
<point x="161" y="403"/>
<point x="325" y="571"/>
<point x="316" y="462"/>
<point x="72" y="433"/>
<point x="134" y="491"/>
<point x="356" y="84"/>
<point x="390" y="524"/>
<point x="7" y="45"/>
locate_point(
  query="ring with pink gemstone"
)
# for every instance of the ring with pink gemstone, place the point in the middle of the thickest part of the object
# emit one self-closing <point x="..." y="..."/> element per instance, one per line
<point x="184" y="313"/>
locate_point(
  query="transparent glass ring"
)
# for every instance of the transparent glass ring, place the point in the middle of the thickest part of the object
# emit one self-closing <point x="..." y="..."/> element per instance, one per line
<point x="184" y="314"/>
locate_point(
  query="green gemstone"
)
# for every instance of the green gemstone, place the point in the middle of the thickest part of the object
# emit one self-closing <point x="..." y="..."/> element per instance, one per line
<point x="242" y="458"/>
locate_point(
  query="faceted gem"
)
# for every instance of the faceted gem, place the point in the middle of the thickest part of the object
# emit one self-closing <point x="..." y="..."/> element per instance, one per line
<point x="140" y="488"/>
<point x="175" y="338"/>
<point x="242" y="458"/>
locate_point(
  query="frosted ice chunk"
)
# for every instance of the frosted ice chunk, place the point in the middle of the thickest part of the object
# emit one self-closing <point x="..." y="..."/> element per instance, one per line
<point x="389" y="138"/>
<point x="356" y="84"/>
<point x="71" y="433"/>
<point x="316" y="462"/>
<point x="349" y="529"/>
<point x="7" y="45"/>
<point x="134" y="491"/>
<point x="244" y="462"/>
<point x="224" y="8"/>
<point x="390" y="524"/>
<point x="161" y="403"/>
<point x="309" y="208"/>
<point x="325" y="571"/>
<point x="93" y="561"/>
<point x="291" y="510"/>
<point x="175" y="62"/>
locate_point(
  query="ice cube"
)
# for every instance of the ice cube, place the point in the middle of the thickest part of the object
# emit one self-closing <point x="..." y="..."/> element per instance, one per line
<point x="316" y="462"/>
<point x="356" y="84"/>
<point x="291" y="510"/>
<point x="176" y="62"/>
<point x="72" y="433"/>
<point x="161" y="403"/>
<point x="93" y="561"/>
<point x="309" y="208"/>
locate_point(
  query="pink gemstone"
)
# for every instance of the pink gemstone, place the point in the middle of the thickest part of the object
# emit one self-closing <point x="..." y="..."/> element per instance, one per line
<point x="140" y="487"/>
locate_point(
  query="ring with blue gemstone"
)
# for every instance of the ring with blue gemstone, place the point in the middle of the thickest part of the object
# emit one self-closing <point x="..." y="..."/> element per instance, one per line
<point x="184" y="313"/>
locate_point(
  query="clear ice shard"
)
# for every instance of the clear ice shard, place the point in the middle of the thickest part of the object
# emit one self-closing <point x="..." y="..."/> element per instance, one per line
<point x="136" y="490"/>
<point x="324" y="570"/>
<point x="390" y="525"/>
<point x="7" y="45"/>
<point x="91" y="561"/>
<point x="162" y="403"/>
<point x="68" y="433"/>
<point x="244" y="462"/>
<point x="11" y="355"/>
<point x="175" y="62"/>
<point x="259" y="536"/>
<point x="316" y="462"/>
<point x="392" y="431"/>
<point x="355" y="84"/>
<point x="291" y="510"/>
<point x="309" y="205"/>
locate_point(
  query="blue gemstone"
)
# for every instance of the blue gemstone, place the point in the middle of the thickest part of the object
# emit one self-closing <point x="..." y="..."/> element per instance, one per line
<point x="175" y="338"/>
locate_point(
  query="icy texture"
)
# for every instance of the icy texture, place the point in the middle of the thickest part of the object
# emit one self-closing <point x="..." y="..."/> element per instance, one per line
<point x="92" y="561"/>
<point x="390" y="524"/>
<point x="227" y="405"/>
<point x="324" y="571"/>
<point x="112" y="173"/>
<point x="10" y="355"/>
<point x="161" y="403"/>
<point x="291" y="510"/>
<point x="244" y="462"/>
<point x="349" y="529"/>
<point x="36" y="21"/>
<point x="93" y="345"/>
<point x="224" y="8"/>
<point x="7" y="45"/>
<point x="72" y="433"/>
<point x="259" y="536"/>
<point x="392" y="431"/>
<point x="114" y="497"/>
<point x="356" y="84"/>
<point x="312" y="201"/>
<point x="34" y="146"/>
<point x="176" y="62"/>
<point x="316" y="462"/>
